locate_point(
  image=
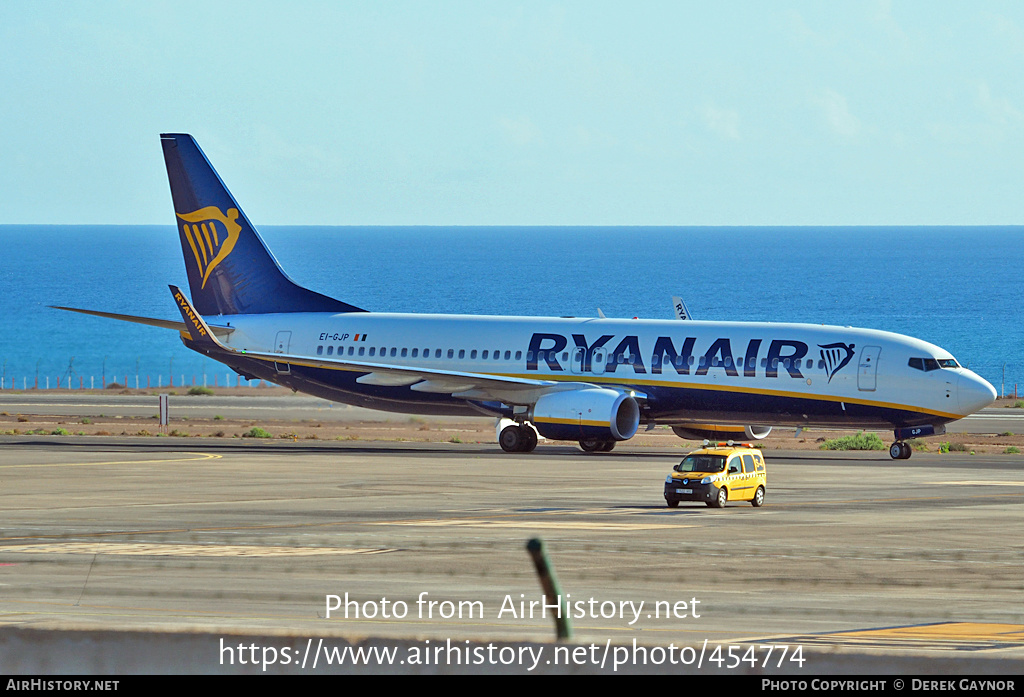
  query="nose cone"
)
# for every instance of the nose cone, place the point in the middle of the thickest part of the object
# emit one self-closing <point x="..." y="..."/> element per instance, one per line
<point x="973" y="393"/>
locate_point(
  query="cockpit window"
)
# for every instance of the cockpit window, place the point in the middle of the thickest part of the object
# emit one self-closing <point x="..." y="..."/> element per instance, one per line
<point x="929" y="364"/>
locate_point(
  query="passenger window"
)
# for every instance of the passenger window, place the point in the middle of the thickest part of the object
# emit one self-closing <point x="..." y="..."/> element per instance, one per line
<point x="484" y="355"/>
<point x="519" y="355"/>
<point x="748" y="463"/>
<point x="351" y="349"/>
<point x="362" y="350"/>
<point x="497" y="355"/>
<point x="394" y="351"/>
<point x="734" y="466"/>
<point x="415" y="353"/>
<point x="373" y="349"/>
<point x="508" y="355"/>
<point x="451" y="353"/>
<point x="462" y="353"/>
<point x="320" y="351"/>
<point x="330" y="350"/>
<point x="472" y="354"/>
<point x="437" y="353"/>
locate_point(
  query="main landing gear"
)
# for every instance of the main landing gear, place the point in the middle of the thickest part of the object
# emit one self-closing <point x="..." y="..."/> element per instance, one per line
<point x="517" y="438"/>
<point x="595" y="445"/>
<point x="900" y="450"/>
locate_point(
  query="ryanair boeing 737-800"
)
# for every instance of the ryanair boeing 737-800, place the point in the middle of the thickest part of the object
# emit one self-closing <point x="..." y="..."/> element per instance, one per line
<point x="591" y="380"/>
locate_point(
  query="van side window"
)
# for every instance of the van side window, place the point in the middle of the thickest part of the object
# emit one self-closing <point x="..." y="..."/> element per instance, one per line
<point x="748" y="463"/>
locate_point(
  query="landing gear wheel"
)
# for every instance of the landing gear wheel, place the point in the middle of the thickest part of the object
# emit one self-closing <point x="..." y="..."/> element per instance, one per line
<point x="591" y="445"/>
<point x="900" y="451"/>
<point x="721" y="499"/>
<point x="529" y="439"/>
<point x="758" y="499"/>
<point x="511" y="439"/>
<point x="517" y="439"/>
<point x="608" y="446"/>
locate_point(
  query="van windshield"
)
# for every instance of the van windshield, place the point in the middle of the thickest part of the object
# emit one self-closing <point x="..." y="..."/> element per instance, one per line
<point x="702" y="463"/>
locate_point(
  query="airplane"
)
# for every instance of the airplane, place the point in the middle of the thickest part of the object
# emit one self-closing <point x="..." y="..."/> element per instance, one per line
<point x="589" y="380"/>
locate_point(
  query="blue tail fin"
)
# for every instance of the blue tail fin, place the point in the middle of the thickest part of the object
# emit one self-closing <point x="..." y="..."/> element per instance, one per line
<point x="230" y="269"/>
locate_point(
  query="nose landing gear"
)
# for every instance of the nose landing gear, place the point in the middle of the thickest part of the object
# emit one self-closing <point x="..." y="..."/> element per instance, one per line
<point x="900" y="450"/>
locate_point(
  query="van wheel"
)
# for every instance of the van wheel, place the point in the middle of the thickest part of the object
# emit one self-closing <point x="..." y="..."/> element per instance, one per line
<point x="721" y="499"/>
<point x="672" y="503"/>
<point x="758" y="499"/>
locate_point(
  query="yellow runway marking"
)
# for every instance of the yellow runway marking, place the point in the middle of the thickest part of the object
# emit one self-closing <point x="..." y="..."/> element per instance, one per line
<point x="981" y="483"/>
<point x="949" y="630"/>
<point x="199" y="456"/>
<point x="173" y="550"/>
<point x="962" y="636"/>
<point x="534" y="525"/>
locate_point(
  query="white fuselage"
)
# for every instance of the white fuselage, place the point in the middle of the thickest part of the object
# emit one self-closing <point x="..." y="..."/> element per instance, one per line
<point x="740" y="372"/>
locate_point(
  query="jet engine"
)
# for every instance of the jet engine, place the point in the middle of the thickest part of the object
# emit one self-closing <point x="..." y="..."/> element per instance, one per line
<point x="716" y="432"/>
<point x="591" y="413"/>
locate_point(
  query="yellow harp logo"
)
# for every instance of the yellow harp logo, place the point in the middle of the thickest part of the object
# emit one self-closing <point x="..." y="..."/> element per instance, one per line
<point x="211" y="235"/>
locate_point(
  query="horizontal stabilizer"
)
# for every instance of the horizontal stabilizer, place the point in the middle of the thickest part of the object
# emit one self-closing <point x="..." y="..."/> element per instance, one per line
<point x="151" y="321"/>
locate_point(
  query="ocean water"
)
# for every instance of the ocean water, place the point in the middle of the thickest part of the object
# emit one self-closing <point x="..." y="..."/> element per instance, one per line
<point x="959" y="287"/>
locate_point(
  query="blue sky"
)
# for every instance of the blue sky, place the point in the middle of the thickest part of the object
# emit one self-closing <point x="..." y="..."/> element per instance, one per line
<point x="505" y="113"/>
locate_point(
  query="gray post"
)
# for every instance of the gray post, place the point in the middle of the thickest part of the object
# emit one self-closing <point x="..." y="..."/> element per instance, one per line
<point x="552" y="591"/>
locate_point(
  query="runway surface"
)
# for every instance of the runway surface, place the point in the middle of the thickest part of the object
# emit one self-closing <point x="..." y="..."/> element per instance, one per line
<point x="850" y="550"/>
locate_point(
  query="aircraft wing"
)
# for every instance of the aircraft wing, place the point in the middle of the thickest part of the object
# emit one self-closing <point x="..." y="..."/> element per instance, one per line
<point x="467" y="385"/>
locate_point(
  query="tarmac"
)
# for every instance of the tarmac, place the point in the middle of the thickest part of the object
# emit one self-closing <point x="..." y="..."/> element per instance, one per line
<point x="852" y="553"/>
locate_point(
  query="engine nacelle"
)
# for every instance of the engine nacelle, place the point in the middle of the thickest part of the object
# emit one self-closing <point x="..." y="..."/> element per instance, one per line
<point x="584" y="414"/>
<point x="716" y="432"/>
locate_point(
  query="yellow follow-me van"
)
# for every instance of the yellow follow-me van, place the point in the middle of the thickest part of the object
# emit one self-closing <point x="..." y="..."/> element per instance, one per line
<point x="718" y="473"/>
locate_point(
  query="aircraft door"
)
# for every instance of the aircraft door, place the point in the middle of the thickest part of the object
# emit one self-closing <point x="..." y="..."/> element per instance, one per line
<point x="578" y="365"/>
<point x="867" y="370"/>
<point x="281" y="344"/>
